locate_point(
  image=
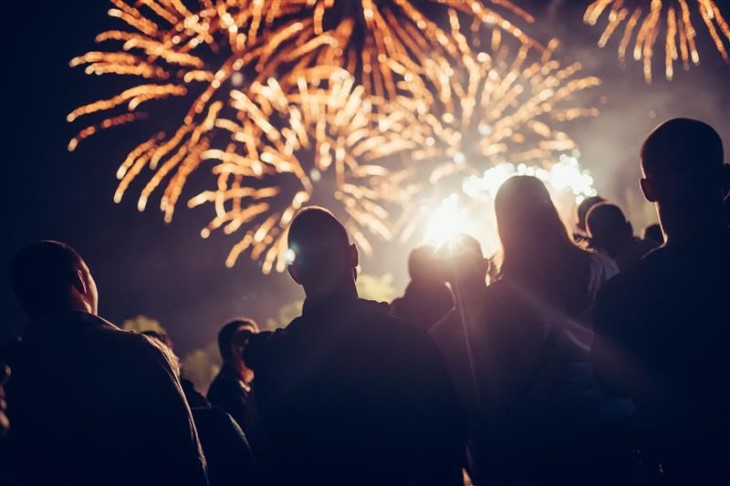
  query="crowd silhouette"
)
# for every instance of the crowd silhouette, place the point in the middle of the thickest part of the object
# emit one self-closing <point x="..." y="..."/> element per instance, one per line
<point x="596" y="357"/>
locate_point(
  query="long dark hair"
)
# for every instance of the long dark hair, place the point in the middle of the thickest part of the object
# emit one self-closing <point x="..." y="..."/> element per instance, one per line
<point x="537" y="250"/>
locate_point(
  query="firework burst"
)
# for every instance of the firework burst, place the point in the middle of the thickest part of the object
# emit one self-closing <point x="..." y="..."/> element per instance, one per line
<point x="503" y="109"/>
<point x="317" y="144"/>
<point x="219" y="60"/>
<point x="644" y="20"/>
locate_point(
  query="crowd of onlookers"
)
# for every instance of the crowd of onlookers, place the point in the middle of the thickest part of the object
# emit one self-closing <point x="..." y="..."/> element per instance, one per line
<point x="589" y="358"/>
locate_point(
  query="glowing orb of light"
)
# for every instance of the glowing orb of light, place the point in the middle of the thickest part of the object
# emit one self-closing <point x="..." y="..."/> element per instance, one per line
<point x="448" y="220"/>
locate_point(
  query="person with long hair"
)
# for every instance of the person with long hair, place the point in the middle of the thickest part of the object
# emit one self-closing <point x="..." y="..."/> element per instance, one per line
<point x="536" y="408"/>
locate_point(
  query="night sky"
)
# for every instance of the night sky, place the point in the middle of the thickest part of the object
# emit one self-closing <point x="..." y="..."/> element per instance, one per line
<point x="166" y="271"/>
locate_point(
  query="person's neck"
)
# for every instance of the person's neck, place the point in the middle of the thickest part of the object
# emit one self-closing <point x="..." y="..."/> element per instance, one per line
<point x="345" y="290"/>
<point x="694" y="225"/>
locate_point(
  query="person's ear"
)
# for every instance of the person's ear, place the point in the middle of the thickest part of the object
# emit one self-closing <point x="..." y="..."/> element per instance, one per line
<point x="648" y="189"/>
<point x="354" y="256"/>
<point x="78" y="282"/>
<point x="293" y="274"/>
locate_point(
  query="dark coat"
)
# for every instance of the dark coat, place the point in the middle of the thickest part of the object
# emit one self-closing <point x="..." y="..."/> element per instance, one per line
<point x="91" y="404"/>
<point x="227" y="392"/>
<point x="348" y="394"/>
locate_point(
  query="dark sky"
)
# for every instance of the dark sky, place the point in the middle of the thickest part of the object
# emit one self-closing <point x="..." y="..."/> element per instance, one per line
<point x="143" y="266"/>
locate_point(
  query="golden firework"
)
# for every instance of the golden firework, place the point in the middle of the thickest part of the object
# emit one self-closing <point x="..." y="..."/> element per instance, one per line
<point x="645" y="20"/>
<point x="504" y="108"/>
<point x="218" y="60"/>
<point x="297" y="140"/>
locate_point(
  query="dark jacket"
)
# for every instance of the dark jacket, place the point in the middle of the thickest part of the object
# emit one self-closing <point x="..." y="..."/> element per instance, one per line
<point x="662" y="337"/>
<point x="91" y="404"/>
<point x="227" y="392"/>
<point x="423" y="303"/>
<point x="348" y="394"/>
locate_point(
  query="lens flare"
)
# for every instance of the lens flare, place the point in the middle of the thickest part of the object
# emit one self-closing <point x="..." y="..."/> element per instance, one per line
<point x="644" y="20"/>
<point x="471" y="210"/>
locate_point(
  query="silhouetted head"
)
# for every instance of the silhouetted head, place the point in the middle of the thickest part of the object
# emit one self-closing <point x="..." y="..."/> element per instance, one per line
<point x="528" y="224"/>
<point x="682" y="163"/>
<point x="462" y="264"/>
<point x="323" y="258"/>
<point x="233" y="337"/>
<point x="423" y="264"/>
<point x="584" y="207"/>
<point x="653" y="232"/>
<point x="608" y="228"/>
<point x="50" y="277"/>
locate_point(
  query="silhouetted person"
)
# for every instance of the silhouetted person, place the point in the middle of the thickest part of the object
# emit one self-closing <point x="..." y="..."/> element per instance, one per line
<point x="91" y="404"/>
<point x="654" y="233"/>
<point x="427" y="297"/>
<point x="231" y="387"/>
<point x="347" y="393"/>
<point x="581" y="236"/>
<point x="663" y="327"/>
<point x="192" y="395"/>
<point x="537" y="414"/>
<point x="230" y="462"/>
<point x="611" y="232"/>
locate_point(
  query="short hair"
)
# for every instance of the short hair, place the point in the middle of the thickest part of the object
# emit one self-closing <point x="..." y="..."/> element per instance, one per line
<point x="421" y="262"/>
<point x="41" y="273"/>
<point x="605" y="218"/>
<point x="681" y="145"/>
<point x="225" y="335"/>
<point x="584" y="208"/>
<point x="314" y="223"/>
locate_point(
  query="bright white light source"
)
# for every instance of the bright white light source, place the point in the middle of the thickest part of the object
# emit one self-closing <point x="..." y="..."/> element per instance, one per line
<point x="447" y="221"/>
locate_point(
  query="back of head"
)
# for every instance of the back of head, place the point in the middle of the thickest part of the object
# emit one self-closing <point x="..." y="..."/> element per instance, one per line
<point x="607" y="226"/>
<point x="461" y="260"/>
<point x="422" y="263"/>
<point x="530" y="229"/>
<point x="682" y="162"/>
<point x="228" y="333"/>
<point x="42" y="274"/>
<point x="322" y="253"/>
<point x="584" y="208"/>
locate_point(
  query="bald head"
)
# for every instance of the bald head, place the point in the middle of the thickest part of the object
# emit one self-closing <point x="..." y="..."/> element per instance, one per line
<point x="323" y="255"/>
<point x="50" y="276"/>
<point x="684" y="174"/>
<point x="681" y="145"/>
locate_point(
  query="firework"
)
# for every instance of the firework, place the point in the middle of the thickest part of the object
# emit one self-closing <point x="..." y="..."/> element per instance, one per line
<point x="217" y="62"/>
<point x="319" y="142"/>
<point x="503" y="108"/>
<point x="644" y="20"/>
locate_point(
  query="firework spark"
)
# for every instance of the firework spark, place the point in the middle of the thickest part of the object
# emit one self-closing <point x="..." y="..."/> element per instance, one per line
<point x="643" y="21"/>
<point x="217" y="62"/>
<point x="323" y="128"/>
<point x="502" y="108"/>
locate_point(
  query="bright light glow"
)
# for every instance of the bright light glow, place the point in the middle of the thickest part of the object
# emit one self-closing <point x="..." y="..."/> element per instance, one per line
<point x="447" y="221"/>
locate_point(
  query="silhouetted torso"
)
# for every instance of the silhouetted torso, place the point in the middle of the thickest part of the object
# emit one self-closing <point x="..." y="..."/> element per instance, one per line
<point x="91" y="404"/>
<point x="663" y="331"/>
<point x="230" y="462"/>
<point x="521" y="364"/>
<point x="348" y="394"/>
<point x="229" y="393"/>
<point x="423" y="303"/>
<point x="634" y="251"/>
